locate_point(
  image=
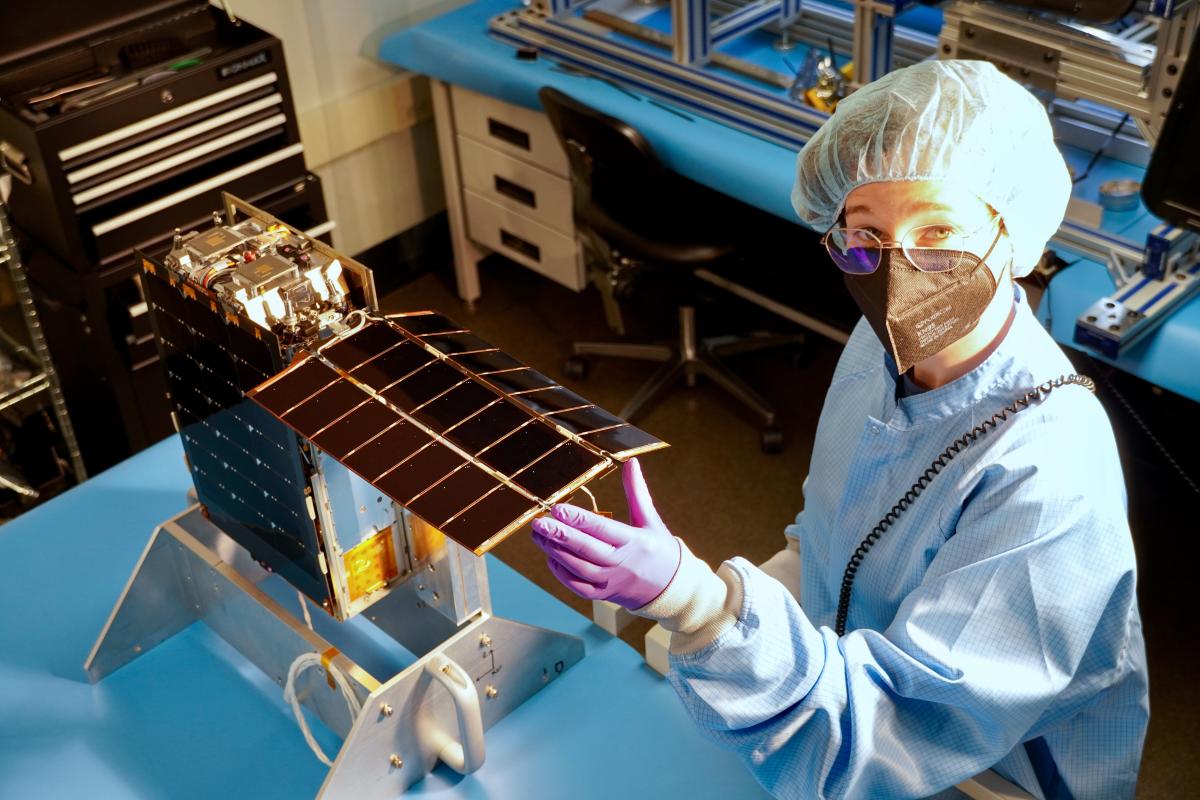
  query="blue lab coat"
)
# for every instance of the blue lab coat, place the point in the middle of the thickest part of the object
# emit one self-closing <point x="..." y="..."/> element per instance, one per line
<point x="995" y="624"/>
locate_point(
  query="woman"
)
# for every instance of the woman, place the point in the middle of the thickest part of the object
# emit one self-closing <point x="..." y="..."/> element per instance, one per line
<point x="911" y="636"/>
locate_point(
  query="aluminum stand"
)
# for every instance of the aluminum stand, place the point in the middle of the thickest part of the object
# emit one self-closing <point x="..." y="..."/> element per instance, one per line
<point x="465" y="679"/>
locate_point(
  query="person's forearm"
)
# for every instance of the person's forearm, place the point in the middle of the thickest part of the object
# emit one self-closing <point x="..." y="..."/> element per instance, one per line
<point x="784" y="566"/>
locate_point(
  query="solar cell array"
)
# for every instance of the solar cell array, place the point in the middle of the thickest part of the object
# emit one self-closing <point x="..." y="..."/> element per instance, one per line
<point x="460" y="433"/>
<point x="246" y="466"/>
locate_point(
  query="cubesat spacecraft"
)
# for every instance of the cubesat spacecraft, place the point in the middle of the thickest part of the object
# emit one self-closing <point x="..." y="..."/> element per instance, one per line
<point x="368" y="461"/>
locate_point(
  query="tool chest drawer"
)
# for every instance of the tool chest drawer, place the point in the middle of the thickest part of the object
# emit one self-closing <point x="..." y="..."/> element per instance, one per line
<point x="517" y="185"/>
<point x="525" y="241"/>
<point x="517" y="131"/>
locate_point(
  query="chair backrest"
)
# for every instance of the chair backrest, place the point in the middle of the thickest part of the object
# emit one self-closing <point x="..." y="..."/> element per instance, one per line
<point x="612" y="164"/>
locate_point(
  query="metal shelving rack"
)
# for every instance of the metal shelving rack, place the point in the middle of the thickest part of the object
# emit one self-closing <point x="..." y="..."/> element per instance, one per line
<point x="38" y="358"/>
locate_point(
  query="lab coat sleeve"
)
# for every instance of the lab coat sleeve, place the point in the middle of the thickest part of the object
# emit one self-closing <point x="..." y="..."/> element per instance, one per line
<point x="972" y="663"/>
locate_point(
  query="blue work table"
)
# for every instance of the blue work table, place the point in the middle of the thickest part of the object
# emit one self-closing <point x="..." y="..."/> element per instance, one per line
<point x="457" y="49"/>
<point x="192" y="718"/>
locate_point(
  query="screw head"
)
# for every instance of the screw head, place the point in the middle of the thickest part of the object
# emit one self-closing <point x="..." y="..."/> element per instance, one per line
<point x="166" y="97"/>
<point x="396" y="761"/>
<point x="491" y="692"/>
<point x="485" y="640"/>
<point x="386" y="710"/>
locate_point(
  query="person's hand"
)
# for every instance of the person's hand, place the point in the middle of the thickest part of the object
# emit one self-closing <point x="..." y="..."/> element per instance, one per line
<point x="603" y="559"/>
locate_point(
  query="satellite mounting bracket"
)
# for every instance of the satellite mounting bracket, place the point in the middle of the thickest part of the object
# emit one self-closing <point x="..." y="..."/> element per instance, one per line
<point x="463" y="681"/>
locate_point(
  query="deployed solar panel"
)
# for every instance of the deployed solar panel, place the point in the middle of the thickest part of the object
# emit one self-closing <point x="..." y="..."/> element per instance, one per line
<point x="460" y="433"/>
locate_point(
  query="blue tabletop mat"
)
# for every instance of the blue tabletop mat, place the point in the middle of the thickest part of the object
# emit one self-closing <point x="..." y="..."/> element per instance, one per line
<point x="192" y="718"/>
<point x="456" y="48"/>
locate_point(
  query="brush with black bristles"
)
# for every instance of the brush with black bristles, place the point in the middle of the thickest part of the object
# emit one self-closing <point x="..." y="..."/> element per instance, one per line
<point x="152" y="51"/>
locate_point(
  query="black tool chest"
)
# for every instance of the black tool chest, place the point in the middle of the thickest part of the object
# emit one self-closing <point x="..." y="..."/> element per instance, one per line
<point x="121" y="121"/>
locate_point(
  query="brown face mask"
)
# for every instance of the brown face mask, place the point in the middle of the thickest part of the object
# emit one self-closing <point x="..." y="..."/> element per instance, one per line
<point x="916" y="314"/>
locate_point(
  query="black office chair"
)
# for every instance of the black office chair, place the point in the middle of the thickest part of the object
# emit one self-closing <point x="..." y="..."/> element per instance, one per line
<point x="633" y="214"/>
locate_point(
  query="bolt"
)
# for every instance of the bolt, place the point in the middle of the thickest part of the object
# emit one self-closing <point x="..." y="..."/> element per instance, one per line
<point x="435" y="597"/>
<point x="485" y="640"/>
<point x="386" y="710"/>
<point x="420" y="587"/>
<point x="396" y="761"/>
<point x="491" y="692"/>
<point x="166" y="96"/>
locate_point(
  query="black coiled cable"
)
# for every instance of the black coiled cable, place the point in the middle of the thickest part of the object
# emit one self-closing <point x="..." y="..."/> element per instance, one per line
<point x="1035" y="395"/>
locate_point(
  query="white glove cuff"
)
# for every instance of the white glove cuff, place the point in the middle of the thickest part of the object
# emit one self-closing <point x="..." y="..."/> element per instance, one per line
<point x="698" y="604"/>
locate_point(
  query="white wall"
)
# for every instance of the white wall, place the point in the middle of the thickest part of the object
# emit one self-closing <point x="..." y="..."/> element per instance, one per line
<point x="367" y="127"/>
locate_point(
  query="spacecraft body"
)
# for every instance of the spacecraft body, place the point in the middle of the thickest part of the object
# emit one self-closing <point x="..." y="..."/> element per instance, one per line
<point x="337" y="445"/>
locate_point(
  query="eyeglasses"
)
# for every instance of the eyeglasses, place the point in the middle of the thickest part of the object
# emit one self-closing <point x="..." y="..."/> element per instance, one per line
<point x="930" y="248"/>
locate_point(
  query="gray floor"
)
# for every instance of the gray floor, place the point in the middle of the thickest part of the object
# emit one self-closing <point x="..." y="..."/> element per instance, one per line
<point x="714" y="487"/>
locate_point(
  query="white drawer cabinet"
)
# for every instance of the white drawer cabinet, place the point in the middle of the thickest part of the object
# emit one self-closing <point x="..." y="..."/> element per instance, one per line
<point x="525" y="241"/>
<point x="517" y="185"/>
<point x="515" y="130"/>
<point x="507" y="188"/>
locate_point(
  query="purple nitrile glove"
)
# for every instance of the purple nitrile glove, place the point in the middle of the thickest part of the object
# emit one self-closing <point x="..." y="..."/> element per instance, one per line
<point x="603" y="559"/>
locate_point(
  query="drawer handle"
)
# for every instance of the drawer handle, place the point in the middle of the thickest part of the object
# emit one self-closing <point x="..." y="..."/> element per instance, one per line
<point x="517" y="244"/>
<point x="515" y="191"/>
<point x="507" y="133"/>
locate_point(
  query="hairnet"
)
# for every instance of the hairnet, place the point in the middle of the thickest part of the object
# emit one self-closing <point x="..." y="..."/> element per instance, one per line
<point x="954" y="121"/>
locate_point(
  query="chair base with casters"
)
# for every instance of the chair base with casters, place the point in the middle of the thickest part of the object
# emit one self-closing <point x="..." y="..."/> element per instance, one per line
<point x="634" y="214"/>
<point x="689" y="358"/>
